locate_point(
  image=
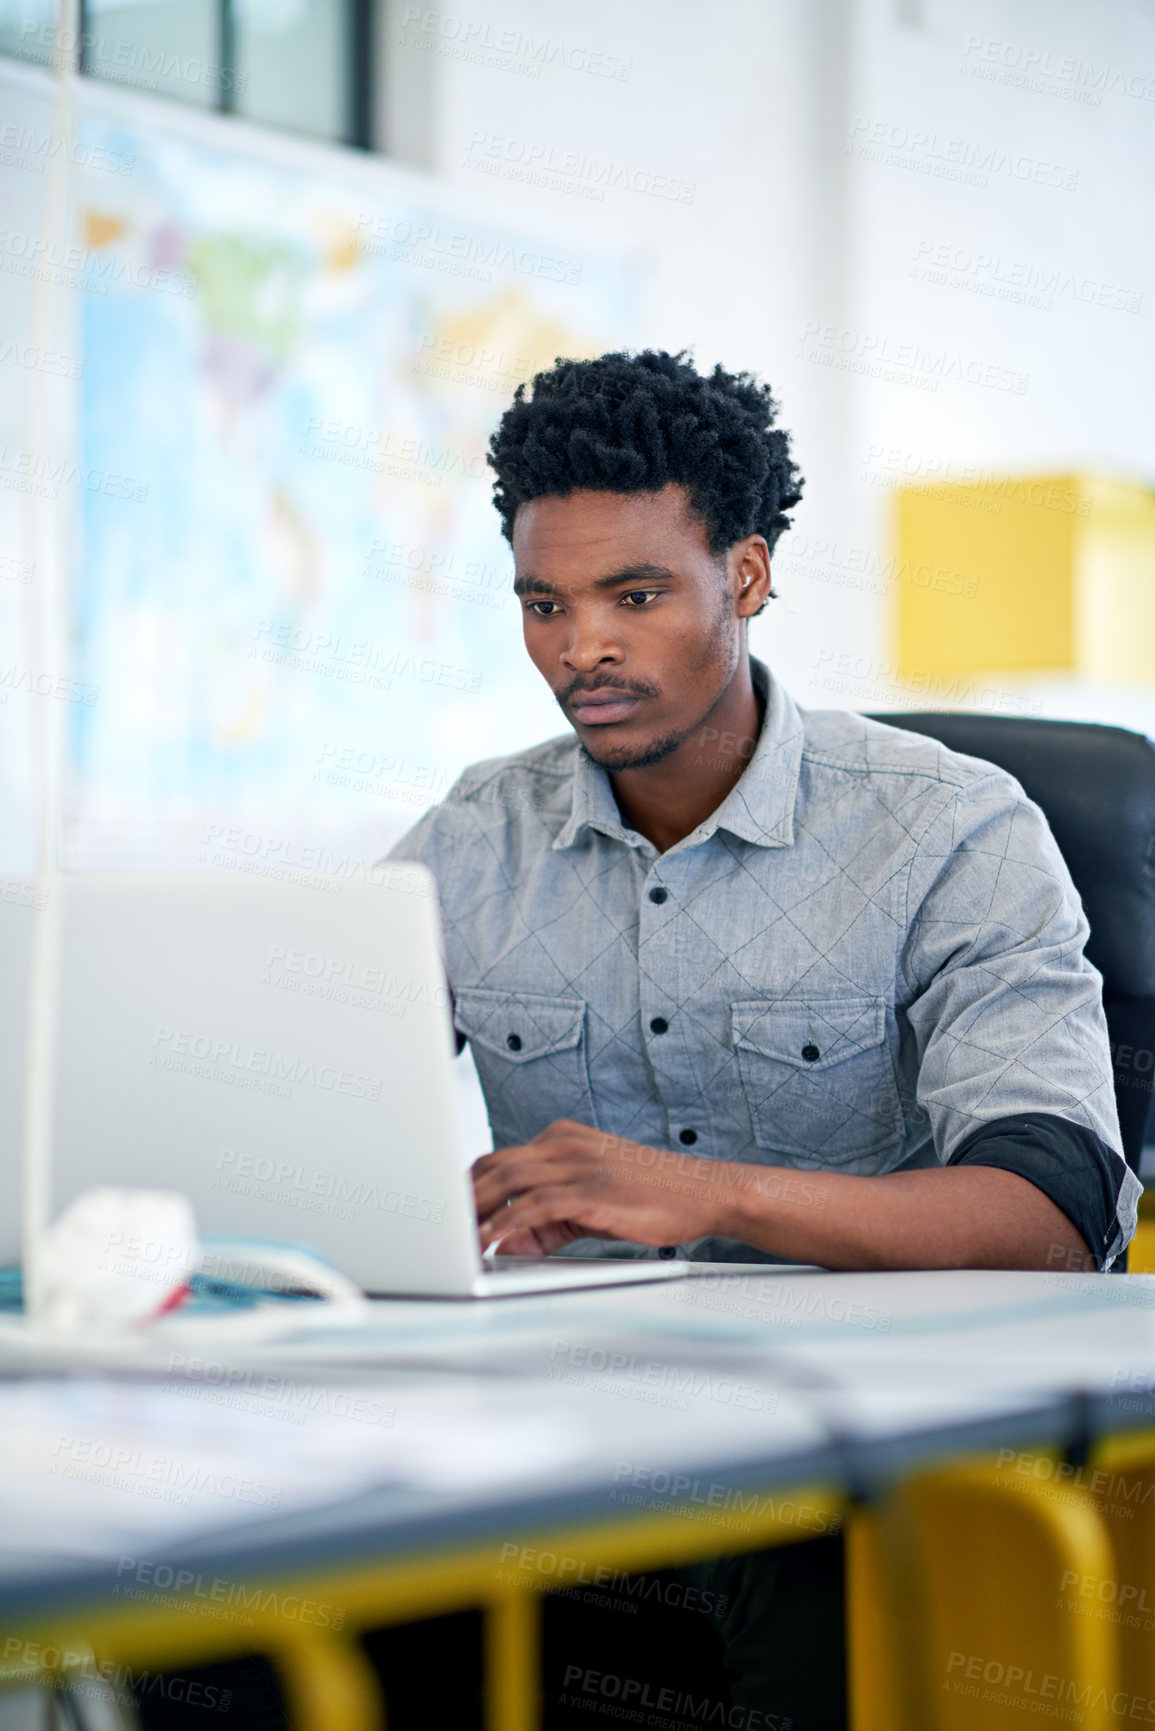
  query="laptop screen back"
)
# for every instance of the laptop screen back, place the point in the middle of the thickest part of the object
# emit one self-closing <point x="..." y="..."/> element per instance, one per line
<point x="281" y="1052"/>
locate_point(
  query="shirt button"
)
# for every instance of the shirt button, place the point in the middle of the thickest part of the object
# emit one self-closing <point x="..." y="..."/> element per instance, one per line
<point x="659" y="895"/>
<point x="689" y="1137"/>
<point x="810" y="1052"/>
<point x="658" y="1025"/>
<point x="513" y="1041"/>
<point x="668" y="1252"/>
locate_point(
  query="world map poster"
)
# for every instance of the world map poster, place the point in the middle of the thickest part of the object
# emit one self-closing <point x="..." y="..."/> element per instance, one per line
<point x="294" y="603"/>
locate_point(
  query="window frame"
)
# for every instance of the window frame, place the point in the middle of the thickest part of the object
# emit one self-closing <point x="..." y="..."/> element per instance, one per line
<point x="359" y="90"/>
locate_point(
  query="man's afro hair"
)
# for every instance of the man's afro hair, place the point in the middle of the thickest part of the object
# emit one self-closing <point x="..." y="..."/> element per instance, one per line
<point x="633" y="423"/>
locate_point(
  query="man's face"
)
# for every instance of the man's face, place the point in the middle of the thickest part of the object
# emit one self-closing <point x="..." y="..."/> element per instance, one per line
<point x="628" y="616"/>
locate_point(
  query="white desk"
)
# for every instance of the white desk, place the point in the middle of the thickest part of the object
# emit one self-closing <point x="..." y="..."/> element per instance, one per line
<point x="432" y="1423"/>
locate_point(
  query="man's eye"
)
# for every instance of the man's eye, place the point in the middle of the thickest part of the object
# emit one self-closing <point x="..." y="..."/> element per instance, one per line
<point x="533" y="606"/>
<point x="639" y="597"/>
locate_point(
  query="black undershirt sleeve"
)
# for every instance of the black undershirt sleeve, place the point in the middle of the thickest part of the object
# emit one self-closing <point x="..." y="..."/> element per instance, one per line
<point x="1079" y="1173"/>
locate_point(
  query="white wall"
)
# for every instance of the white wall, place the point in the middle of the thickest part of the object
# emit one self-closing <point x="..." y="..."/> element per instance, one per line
<point x="1059" y="100"/>
<point x="802" y="254"/>
<point x="739" y="109"/>
<point x="793" y="244"/>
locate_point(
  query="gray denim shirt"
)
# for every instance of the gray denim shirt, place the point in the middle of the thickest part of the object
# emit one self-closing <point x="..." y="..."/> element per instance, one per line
<point x="869" y="950"/>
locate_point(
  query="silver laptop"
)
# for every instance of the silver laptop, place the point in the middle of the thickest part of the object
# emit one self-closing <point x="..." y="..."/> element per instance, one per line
<point x="281" y="1052"/>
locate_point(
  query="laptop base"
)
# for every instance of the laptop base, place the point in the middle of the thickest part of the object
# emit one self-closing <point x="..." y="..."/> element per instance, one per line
<point x="513" y="1276"/>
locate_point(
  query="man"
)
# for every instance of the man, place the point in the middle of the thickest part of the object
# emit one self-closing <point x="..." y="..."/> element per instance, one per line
<point x="743" y="981"/>
<point x="707" y="920"/>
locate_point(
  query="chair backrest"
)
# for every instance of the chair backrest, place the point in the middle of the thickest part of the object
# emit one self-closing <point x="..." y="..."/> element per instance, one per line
<point x="1096" y="787"/>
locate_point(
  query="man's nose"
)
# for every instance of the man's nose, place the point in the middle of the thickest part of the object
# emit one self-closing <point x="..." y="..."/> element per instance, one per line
<point x="589" y="643"/>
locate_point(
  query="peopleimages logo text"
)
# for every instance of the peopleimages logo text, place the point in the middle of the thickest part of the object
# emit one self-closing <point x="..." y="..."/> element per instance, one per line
<point x="229" y="1060"/>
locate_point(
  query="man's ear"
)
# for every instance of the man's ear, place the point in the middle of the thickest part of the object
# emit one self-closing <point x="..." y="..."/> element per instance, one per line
<point x="750" y="566"/>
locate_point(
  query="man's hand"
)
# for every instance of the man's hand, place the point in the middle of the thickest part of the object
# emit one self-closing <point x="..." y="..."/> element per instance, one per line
<point x="572" y="1182"/>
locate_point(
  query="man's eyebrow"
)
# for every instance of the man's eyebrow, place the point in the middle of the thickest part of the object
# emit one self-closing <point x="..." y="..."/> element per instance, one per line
<point x="641" y="573"/>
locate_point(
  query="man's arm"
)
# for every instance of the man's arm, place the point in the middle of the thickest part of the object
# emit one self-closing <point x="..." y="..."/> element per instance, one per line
<point x="954" y="1217"/>
<point x="575" y="1182"/>
<point x="1014" y="1064"/>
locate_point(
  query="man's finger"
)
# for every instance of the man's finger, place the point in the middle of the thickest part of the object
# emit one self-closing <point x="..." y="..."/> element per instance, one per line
<point x="526" y="1212"/>
<point x="539" y="1153"/>
<point x="542" y="1243"/>
<point x="489" y="1162"/>
<point x="497" y="1207"/>
<point x="563" y="1133"/>
<point x="547" y="1206"/>
<point x="521" y="1177"/>
<point x="568" y="1127"/>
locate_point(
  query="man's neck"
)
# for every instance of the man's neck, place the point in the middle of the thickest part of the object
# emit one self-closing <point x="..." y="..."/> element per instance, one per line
<point x="667" y="801"/>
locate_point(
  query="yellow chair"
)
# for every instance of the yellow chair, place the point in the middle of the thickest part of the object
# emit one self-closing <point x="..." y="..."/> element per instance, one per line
<point x="955" y="1613"/>
<point x="1141" y="1251"/>
<point x="1122" y="1482"/>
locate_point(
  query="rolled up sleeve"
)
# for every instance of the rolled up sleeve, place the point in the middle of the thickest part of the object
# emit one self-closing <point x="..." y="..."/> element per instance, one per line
<point x="1006" y="1010"/>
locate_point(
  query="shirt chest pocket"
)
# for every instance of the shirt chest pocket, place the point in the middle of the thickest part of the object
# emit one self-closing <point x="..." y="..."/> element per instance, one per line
<point x="531" y="1059"/>
<point x="818" y="1078"/>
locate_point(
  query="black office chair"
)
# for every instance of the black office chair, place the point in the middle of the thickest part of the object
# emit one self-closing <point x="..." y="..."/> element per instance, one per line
<point x="1096" y="787"/>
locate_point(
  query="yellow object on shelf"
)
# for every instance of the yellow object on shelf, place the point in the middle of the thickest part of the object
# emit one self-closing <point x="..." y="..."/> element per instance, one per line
<point x="1050" y="573"/>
